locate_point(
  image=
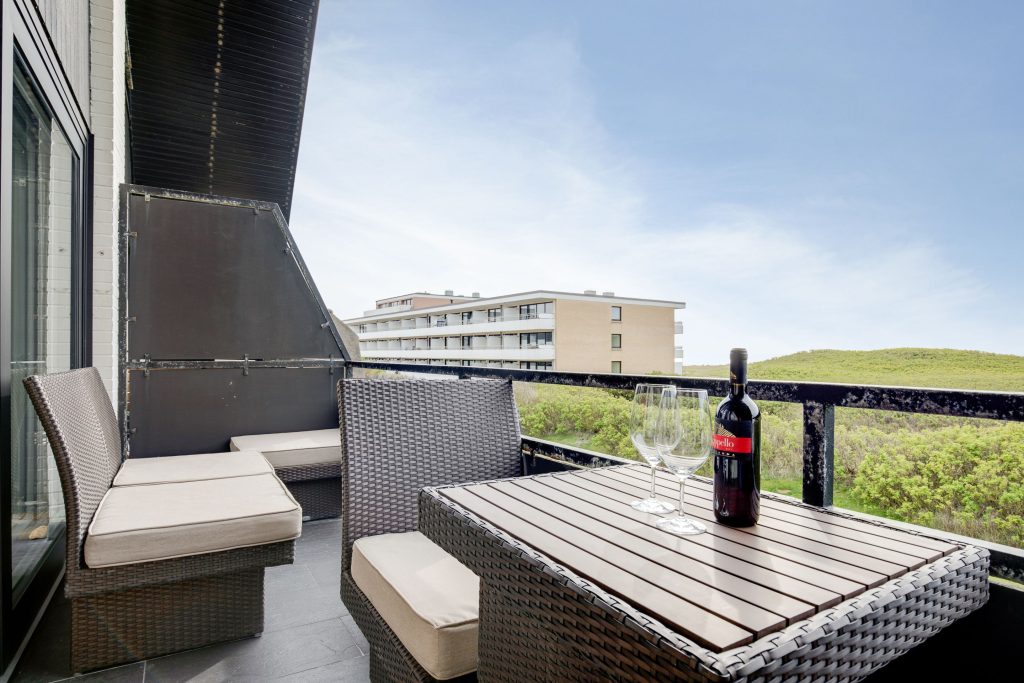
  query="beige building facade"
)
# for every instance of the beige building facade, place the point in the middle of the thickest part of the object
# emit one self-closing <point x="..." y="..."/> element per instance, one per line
<point x="539" y="330"/>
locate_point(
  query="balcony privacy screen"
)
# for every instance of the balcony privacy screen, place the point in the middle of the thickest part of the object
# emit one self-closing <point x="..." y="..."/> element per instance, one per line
<point x="223" y="331"/>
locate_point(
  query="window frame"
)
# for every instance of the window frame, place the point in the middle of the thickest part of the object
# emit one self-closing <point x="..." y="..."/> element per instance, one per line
<point x="616" y="337"/>
<point x="617" y="318"/>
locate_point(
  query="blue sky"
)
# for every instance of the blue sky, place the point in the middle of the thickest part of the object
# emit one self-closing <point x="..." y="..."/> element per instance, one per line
<point x="802" y="174"/>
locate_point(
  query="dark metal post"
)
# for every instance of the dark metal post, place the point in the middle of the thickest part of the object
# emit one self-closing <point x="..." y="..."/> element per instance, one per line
<point x="819" y="453"/>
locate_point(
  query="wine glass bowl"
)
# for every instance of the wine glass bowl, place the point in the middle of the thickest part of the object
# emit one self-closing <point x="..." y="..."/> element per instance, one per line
<point x="644" y="423"/>
<point x="683" y="444"/>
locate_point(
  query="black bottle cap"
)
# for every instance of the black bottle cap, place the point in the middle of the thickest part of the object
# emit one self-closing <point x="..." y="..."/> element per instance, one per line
<point x="738" y="366"/>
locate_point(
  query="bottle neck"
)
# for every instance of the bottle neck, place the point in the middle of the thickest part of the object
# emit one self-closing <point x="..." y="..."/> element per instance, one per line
<point x="737" y="390"/>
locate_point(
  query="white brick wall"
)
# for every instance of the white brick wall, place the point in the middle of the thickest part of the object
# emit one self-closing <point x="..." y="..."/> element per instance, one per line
<point x="107" y="100"/>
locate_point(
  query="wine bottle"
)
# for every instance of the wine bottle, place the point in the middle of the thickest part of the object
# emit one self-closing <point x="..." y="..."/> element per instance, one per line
<point x="737" y="446"/>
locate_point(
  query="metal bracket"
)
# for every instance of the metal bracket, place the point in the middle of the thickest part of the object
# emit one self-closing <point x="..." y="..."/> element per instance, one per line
<point x="146" y="197"/>
<point x="245" y="365"/>
<point x="145" y="365"/>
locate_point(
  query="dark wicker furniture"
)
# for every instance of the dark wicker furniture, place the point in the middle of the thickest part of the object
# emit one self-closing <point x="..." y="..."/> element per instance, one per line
<point x="133" y="612"/>
<point x="398" y="436"/>
<point x="543" y="617"/>
<point x="317" y="488"/>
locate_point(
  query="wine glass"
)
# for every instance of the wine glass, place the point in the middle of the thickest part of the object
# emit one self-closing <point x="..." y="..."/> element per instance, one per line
<point x="683" y="442"/>
<point x="643" y="431"/>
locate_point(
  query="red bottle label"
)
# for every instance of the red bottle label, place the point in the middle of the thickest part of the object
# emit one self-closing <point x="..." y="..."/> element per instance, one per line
<point x="733" y="444"/>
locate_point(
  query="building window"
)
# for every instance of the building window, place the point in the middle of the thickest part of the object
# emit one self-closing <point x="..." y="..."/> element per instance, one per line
<point x="466" y="363"/>
<point x="467" y="317"/>
<point x="617" y="367"/>
<point x="493" y="315"/>
<point x="616" y="314"/>
<point x="533" y="340"/>
<point x="530" y="311"/>
<point x="533" y="365"/>
<point x="616" y="341"/>
<point x="467" y="342"/>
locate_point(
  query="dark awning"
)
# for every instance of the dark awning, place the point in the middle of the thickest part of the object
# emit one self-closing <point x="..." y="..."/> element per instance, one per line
<point x="217" y="94"/>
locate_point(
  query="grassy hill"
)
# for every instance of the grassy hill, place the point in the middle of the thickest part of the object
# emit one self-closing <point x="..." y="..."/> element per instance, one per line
<point x="945" y="368"/>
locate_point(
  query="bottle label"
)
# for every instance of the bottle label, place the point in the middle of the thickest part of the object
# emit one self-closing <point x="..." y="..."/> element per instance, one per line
<point x="724" y="442"/>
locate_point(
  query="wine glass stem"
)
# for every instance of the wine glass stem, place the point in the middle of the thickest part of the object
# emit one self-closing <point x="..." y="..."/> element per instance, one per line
<point x="654" y="481"/>
<point x="682" y="490"/>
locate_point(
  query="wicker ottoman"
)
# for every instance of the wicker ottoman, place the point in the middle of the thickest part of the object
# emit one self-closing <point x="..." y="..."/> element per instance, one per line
<point x="309" y="463"/>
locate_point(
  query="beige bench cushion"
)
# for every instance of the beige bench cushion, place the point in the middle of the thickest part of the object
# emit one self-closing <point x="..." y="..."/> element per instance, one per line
<point x="177" y="468"/>
<point x="161" y="521"/>
<point x="290" y="449"/>
<point x="427" y="597"/>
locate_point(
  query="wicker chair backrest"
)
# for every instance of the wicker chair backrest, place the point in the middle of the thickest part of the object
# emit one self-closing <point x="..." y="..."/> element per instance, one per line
<point x="398" y="436"/>
<point x="79" y="421"/>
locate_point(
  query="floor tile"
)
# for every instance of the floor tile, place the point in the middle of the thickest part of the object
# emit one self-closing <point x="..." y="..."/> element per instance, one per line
<point x="351" y="670"/>
<point x="270" y="656"/>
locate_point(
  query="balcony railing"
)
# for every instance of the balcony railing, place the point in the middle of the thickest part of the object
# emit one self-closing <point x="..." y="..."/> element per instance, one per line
<point x="819" y="401"/>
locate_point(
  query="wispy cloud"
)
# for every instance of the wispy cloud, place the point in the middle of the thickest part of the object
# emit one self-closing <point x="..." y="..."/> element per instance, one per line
<point x="497" y="176"/>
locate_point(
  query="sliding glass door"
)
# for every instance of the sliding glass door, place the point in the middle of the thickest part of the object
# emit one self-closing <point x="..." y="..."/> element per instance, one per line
<point x="43" y="187"/>
<point x="44" y="310"/>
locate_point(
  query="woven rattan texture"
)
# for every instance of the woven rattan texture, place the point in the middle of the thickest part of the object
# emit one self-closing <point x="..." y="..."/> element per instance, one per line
<point x="79" y="437"/>
<point x="132" y="612"/>
<point x="317" y="488"/>
<point x="398" y="436"/>
<point x="140" y="623"/>
<point x="589" y="634"/>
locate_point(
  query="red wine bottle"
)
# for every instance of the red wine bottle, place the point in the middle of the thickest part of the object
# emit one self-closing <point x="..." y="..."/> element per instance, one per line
<point x="737" y="444"/>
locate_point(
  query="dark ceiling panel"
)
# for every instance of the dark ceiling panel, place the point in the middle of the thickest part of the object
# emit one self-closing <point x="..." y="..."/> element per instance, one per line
<point x="218" y="91"/>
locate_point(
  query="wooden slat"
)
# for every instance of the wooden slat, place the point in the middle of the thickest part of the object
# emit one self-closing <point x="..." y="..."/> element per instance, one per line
<point x="697" y="623"/>
<point x="669" y="560"/>
<point x="871" y="546"/>
<point x="886" y="537"/>
<point x="892" y="533"/>
<point x="720" y="603"/>
<point x="865" y="577"/>
<point x="630" y="521"/>
<point x="786" y="561"/>
<point x="840" y="549"/>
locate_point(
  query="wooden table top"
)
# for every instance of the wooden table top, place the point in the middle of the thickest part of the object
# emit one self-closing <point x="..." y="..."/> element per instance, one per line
<point x="722" y="589"/>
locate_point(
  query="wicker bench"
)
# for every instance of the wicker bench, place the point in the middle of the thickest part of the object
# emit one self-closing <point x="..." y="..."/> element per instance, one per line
<point x="171" y="558"/>
<point x="309" y="463"/>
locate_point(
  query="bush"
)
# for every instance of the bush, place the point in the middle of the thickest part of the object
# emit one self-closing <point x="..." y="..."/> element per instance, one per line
<point x="964" y="478"/>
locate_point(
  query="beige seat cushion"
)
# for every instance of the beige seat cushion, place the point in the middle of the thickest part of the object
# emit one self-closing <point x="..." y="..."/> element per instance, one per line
<point x="290" y="449"/>
<point x="161" y="521"/>
<point x="427" y="597"/>
<point x="178" y="468"/>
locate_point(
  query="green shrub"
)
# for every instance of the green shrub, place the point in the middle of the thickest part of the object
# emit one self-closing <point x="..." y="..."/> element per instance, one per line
<point x="965" y="478"/>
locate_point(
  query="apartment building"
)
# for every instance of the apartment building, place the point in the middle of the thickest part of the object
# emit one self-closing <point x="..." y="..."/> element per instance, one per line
<point x="539" y="330"/>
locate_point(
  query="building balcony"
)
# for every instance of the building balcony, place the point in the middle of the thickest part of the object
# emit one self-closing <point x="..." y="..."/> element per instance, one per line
<point x="544" y="353"/>
<point x="542" y="323"/>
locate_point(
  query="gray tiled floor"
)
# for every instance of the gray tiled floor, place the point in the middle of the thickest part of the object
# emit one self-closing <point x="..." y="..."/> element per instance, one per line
<point x="308" y="635"/>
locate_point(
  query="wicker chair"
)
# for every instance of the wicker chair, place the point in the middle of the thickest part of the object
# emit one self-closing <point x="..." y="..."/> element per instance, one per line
<point x="136" y="611"/>
<point x="398" y="436"/>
